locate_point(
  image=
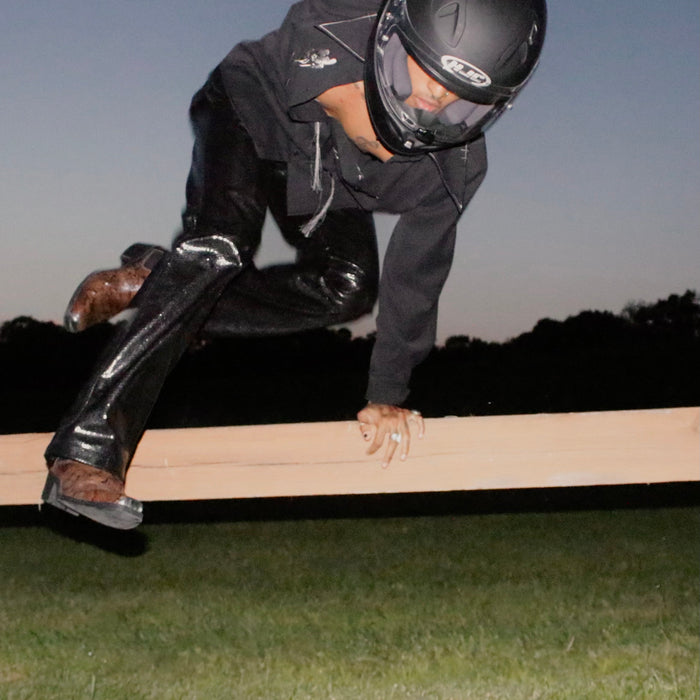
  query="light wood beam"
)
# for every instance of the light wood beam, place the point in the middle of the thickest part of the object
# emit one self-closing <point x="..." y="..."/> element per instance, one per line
<point x="457" y="454"/>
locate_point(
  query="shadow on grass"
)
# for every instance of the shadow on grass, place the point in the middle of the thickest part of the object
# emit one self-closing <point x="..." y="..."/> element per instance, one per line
<point x="429" y="504"/>
<point x="134" y="543"/>
<point x="124" y="543"/>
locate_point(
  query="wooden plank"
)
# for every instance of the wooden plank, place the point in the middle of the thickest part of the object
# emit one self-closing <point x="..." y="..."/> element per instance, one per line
<point x="457" y="454"/>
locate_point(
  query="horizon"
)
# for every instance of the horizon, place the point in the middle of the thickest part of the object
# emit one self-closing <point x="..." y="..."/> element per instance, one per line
<point x="356" y="331"/>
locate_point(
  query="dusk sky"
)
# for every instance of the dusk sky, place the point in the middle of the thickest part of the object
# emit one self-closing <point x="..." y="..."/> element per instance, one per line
<point x="592" y="198"/>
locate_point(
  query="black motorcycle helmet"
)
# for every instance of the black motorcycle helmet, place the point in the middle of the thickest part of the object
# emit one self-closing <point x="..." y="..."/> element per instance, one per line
<point x="484" y="51"/>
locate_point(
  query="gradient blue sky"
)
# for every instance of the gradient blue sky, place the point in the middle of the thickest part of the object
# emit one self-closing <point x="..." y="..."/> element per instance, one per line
<point x="592" y="199"/>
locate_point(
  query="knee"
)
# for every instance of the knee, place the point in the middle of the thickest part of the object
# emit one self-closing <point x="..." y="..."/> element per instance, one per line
<point x="212" y="251"/>
<point x="351" y="288"/>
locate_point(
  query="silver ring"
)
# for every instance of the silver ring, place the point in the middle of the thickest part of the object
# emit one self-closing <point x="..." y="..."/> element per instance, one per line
<point x="415" y="413"/>
<point x="396" y="437"/>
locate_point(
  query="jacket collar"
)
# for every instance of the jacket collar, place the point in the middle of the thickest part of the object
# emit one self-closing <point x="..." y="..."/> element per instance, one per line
<point x="352" y="34"/>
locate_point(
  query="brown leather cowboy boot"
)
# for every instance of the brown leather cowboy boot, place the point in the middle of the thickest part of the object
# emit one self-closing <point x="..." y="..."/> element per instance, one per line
<point x="80" y="489"/>
<point x="105" y="293"/>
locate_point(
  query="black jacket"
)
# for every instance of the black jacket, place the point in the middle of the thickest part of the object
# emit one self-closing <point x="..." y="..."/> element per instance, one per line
<point x="273" y="83"/>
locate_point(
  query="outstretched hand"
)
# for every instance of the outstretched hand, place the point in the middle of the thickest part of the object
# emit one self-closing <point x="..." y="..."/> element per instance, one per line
<point x="380" y="422"/>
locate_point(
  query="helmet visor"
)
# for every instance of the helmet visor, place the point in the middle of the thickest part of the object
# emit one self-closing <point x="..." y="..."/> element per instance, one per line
<point x="406" y="130"/>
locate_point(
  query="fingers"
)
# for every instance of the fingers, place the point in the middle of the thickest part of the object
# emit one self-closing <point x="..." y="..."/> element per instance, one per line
<point x="380" y="434"/>
<point x="368" y="431"/>
<point x="382" y="424"/>
<point x="417" y="418"/>
<point x="391" y="445"/>
<point x="398" y="440"/>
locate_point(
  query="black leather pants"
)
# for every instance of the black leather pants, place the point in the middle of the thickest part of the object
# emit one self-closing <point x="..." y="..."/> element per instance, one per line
<point x="208" y="284"/>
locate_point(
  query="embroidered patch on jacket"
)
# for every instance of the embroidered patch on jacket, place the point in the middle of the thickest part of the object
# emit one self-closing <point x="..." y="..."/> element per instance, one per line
<point x="316" y="58"/>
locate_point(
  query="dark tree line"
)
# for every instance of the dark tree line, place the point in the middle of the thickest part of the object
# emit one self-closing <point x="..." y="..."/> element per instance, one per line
<point x="645" y="357"/>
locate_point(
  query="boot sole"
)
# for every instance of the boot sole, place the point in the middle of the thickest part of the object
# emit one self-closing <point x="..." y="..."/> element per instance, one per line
<point x="124" y="514"/>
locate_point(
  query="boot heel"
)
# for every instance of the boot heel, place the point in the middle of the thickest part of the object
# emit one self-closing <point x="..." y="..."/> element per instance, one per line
<point x="52" y="495"/>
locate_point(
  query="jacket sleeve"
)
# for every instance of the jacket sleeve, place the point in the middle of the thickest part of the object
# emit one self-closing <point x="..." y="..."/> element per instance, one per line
<point x="416" y="264"/>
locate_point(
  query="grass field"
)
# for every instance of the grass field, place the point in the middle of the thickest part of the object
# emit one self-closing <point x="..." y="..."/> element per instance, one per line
<point x="572" y="604"/>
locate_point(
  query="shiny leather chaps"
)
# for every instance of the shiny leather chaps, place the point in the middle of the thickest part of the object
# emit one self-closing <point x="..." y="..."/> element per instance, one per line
<point x="208" y="284"/>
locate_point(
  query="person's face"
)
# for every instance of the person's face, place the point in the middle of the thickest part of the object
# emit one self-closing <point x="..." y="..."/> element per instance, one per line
<point x="427" y="94"/>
